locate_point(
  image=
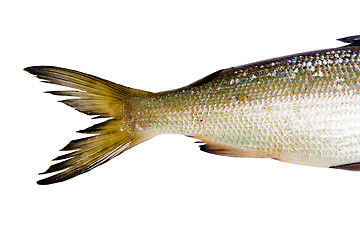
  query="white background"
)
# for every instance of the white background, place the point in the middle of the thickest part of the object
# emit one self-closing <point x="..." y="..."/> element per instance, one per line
<point x="165" y="188"/>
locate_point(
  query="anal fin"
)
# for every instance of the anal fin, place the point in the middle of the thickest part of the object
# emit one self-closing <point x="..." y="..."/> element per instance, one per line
<point x="214" y="147"/>
<point x="351" y="166"/>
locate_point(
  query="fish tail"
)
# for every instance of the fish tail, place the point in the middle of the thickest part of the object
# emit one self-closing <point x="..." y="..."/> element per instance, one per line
<point x="102" y="99"/>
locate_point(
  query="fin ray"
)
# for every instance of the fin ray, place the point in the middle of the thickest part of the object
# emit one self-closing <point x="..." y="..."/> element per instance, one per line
<point x="353" y="40"/>
<point x="213" y="147"/>
<point x="350" y="166"/>
<point x="99" y="97"/>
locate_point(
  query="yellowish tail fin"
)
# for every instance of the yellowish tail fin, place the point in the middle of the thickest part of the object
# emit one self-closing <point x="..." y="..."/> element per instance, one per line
<point x="104" y="99"/>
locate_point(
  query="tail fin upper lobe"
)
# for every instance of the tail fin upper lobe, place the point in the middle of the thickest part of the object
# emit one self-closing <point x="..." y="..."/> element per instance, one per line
<point x="99" y="97"/>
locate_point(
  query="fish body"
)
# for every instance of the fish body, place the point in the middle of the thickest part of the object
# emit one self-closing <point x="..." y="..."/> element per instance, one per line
<point x="303" y="108"/>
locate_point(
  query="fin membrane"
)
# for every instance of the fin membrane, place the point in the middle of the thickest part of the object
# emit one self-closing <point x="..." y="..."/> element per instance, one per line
<point x="350" y="166"/>
<point x="213" y="147"/>
<point x="353" y="40"/>
<point x="103" y="99"/>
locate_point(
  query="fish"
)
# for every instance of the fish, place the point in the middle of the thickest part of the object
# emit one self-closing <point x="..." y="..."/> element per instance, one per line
<point x="302" y="108"/>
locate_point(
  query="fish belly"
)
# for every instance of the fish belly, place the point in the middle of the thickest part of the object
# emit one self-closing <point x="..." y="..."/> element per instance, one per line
<point x="314" y="130"/>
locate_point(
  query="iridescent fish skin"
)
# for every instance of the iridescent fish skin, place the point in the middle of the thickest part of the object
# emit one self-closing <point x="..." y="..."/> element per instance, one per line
<point x="303" y="109"/>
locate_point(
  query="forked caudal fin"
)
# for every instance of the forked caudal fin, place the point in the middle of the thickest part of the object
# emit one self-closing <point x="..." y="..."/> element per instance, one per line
<point x="99" y="97"/>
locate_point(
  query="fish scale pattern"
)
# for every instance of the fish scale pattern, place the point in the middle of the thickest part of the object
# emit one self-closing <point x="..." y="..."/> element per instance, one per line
<point x="303" y="108"/>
